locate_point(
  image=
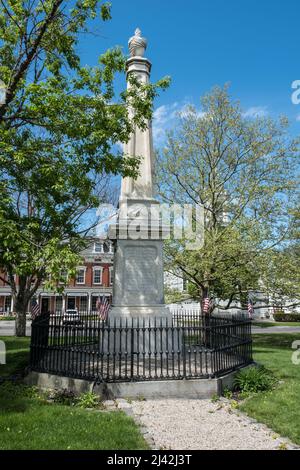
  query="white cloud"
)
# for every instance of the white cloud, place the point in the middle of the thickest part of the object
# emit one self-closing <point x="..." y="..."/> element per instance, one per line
<point x="185" y="110"/>
<point x="161" y="120"/>
<point x="256" y="111"/>
<point x="161" y="114"/>
<point x="165" y="116"/>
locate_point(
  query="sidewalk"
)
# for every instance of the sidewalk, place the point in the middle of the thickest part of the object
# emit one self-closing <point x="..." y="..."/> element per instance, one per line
<point x="276" y="329"/>
<point x="7" y="328"/>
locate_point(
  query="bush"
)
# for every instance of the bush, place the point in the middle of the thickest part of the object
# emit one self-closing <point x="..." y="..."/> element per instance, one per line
<point x="253" y="380"/>
<point x="69" y="398"/>
<point x="283" y="317"/>
<point x="62" y="397"/>
<point x="88" y="400"/>
<point x="227" y="393"/>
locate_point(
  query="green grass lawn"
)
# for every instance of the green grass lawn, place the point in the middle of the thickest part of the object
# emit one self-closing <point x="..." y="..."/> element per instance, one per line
<point x="280" y="408"/>
<point x="17" y="355"/>
<point x="30" y="422"/>
<point x="267" y="324"/>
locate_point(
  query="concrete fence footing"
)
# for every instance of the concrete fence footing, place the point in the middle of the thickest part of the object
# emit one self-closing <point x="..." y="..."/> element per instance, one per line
<point x="191" y="388"/>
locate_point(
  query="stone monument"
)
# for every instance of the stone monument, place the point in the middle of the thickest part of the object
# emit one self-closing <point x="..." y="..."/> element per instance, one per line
<point x="138" y="286"/>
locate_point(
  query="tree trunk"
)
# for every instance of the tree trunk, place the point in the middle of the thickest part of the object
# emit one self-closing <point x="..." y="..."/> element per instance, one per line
<point x="20" y="320"/>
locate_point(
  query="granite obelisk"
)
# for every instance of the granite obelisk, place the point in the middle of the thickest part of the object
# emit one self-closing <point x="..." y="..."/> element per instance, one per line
<point x="138" y="263"/>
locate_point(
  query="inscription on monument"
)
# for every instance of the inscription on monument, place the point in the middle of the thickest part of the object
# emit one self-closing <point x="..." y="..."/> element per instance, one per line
<point x="140" y="270"/>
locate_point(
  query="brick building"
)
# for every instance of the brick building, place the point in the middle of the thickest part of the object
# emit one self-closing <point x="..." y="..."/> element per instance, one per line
<point x="93" y="280"/>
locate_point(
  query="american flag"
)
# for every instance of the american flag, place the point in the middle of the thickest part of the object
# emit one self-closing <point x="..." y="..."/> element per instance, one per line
<point x="250" y="308"/>
<point x="102" y="307"/>
<point x="207" y="304"/>
<point x="34" y="309"/>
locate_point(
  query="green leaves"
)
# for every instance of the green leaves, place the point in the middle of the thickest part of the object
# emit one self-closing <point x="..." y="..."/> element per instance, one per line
<point x="244" y="173"/>
<point x="106" y="11"/>
<point x="58" y="133"/>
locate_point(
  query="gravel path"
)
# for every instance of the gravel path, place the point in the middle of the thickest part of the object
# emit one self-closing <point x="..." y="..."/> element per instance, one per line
<point x="200" y="424"/>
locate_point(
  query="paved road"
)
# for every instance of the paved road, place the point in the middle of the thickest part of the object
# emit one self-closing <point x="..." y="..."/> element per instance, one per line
<point x="7" y="328"/>
<point x="276" y="329"/>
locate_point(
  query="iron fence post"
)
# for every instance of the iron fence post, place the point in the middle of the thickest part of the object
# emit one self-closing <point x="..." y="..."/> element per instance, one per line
<point x="183" y="352"/>
<point x="132" y="351"/>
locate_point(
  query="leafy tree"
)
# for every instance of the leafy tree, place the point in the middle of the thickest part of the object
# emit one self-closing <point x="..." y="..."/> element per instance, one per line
<point x="243" y="172"/>
<point x="59" y="125"/>
<point x="174" y="296"/>
<point x="282" y="278"/>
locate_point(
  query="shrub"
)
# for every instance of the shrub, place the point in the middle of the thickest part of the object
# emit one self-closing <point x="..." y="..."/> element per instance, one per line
<point x="62" y="397"/>
<point x="254" y="379"/>
<point x="282" y="446"/>
<point x="88" y="400"/>
<point x="227" y="393"/>
<point x="215" y="398"/>
<point x="283" y="317"/>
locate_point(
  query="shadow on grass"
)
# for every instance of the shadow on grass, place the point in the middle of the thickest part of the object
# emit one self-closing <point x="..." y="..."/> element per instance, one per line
<point x="16" y="405"/>
<point x="15" y="397"/>
<point x="278" y="341"/>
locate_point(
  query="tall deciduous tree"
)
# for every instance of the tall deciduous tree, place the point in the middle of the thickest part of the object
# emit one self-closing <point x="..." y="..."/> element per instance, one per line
<point x="243" y="172"/>
<point x="59" y="124"/>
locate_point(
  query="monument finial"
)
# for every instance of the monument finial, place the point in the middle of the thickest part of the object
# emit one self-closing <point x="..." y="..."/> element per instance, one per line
<point x="137" y="44"/>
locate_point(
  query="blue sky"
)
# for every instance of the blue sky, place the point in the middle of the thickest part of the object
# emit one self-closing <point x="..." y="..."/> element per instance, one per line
<point x="252" y="44"/>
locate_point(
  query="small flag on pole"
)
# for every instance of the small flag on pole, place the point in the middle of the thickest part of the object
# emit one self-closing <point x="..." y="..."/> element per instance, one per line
<point x="35" y="309"/>
<point x="207" y="303"/>
<point x="102" y="307"/>
<point x="250" y="308"/>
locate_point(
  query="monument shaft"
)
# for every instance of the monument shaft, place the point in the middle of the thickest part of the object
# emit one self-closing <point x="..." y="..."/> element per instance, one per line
<point x="138" y="267"/>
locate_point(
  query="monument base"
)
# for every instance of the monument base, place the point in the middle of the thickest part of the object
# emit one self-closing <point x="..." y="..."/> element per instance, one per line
<point x="146" y="331"/>
<point x="141" y="313"/>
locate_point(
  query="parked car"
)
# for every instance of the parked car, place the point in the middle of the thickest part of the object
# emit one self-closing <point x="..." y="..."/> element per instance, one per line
<point x="71" y="317"/>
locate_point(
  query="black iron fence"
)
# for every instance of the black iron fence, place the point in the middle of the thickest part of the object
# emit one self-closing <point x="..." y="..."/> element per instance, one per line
<point x="120" y="349"/>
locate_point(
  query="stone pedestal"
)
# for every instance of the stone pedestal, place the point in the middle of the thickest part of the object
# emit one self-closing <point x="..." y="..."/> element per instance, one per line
<point x="138" y="288"/>
<point x="138" y="296"/>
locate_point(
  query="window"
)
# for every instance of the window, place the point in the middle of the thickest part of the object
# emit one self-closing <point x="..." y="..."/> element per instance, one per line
<point x="80" y="276"/>
<point x="83" y="303"/>
<point x="71" y="303"/>
<point x="58" y="303"/>
<point x="110" y="247"/>
<point x="94" y="302"/>
<point x="97" y="275"/>
<point x="7" y="306"/>
<point x="98" y="247"/>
